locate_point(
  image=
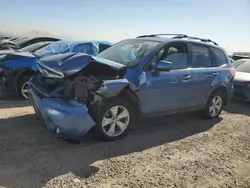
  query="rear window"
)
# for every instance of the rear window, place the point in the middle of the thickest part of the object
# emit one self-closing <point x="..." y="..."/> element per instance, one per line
<point x="219" y="57"/>
<point x="200" y="56"/>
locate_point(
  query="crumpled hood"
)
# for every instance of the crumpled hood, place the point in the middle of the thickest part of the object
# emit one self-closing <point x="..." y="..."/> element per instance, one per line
<point x="242" y="77"/>
<point x="70" y="63"/>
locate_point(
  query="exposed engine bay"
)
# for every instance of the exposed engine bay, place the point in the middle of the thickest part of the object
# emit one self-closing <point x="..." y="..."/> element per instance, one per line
<point x="83" y="85"/>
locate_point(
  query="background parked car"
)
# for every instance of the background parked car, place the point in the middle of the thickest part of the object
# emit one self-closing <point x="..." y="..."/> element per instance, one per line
<point x="31" y="48"/>
<point x="238" y="56"/>
<point x="23" y="42"/>
<point x="16" y="68"/>
<point x="145" y="76"/>
<point x="242" y="79"/>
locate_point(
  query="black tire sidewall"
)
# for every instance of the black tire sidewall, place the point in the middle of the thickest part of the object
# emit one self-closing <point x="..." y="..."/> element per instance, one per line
<point x="102" y="111"/>
<point x="206" y="110"/>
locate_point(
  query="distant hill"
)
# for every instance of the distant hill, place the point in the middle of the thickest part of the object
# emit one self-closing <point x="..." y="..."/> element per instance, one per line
<point x="36" y="33"/>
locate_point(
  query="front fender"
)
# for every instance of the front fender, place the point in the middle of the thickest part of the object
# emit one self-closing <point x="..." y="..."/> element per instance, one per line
<point x="111" y="88"/>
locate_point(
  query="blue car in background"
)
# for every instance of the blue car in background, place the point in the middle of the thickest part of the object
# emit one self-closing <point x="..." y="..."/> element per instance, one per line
<point x="17" y="67"/>
<point x="141" y="77"/>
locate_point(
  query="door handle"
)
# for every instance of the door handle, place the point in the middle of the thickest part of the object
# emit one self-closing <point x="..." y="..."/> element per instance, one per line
<point x="215" y="73"/>
<point x="186" y="77"/>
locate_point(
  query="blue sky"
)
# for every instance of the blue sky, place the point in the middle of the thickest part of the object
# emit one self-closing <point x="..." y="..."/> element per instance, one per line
<point x="225" y="21"/>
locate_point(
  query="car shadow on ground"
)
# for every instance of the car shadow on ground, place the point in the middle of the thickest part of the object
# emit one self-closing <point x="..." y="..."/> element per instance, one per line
<point x="14" y="103"/>
<point x="238" y="107"/>
<point x="30" y="156"/>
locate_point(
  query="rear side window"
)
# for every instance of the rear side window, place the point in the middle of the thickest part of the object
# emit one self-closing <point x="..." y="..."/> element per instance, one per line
<point x="219" y="57"/>
<point x="200" y="56"/>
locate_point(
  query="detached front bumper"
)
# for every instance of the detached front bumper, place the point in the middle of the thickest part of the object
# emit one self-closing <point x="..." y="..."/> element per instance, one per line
<point x="66" y="119"/>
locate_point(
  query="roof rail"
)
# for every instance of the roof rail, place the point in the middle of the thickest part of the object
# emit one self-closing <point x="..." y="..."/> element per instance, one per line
<point x="179" y="36"/>
<point x="196" y="38"/>
<point x="156" y="35"/>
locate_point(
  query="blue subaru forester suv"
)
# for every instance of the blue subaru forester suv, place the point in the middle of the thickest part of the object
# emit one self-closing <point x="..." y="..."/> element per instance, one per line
<point x="146" y="76"/>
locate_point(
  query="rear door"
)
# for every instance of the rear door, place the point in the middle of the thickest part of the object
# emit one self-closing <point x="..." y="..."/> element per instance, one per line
<point x="203" y="71"/>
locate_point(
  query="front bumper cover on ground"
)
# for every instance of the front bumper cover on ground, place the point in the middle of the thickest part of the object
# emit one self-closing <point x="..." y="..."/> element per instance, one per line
<point x="67" y="119"/>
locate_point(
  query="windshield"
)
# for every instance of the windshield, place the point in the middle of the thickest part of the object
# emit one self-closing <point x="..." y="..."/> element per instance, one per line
<point x="129" y="52"/>
<point x="33" y="47"/>
<point x="244" y="67"/>
<point x="238" y="62"/>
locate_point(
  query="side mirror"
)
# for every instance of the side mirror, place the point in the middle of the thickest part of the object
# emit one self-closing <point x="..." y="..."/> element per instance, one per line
<point x="164" y="66"/>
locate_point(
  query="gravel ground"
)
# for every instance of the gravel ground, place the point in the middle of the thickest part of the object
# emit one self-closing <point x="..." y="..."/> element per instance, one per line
<point x="173" y="151"/>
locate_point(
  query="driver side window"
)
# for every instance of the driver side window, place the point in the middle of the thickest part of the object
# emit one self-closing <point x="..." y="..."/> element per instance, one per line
<point x="175" y="53"/>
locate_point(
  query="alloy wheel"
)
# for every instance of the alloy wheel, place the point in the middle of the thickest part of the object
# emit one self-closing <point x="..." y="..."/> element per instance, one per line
<point x="25" y="90"/>
<point x="115" y="121"/>
<point x="215" y="106"/>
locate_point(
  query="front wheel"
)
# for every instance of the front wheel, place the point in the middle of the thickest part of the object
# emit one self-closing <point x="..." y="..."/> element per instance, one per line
<point x="214" y="105"/>
<point x="114" y="119"/>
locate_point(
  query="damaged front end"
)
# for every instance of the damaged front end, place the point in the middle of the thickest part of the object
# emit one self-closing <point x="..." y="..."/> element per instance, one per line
<point x="70" y="88"/>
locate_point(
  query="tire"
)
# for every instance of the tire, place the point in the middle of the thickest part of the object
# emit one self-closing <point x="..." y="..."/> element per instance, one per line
<point x="21" y="86"/>
<point x="115" y="128"/>
<point x="214" y="105"/>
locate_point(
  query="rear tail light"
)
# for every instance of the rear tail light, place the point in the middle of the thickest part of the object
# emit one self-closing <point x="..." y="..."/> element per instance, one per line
<point x="233" y="71"/>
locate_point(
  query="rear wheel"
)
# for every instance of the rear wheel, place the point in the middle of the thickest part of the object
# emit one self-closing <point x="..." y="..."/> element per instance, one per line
<point x="214" y="105"/>
<point x="114" y="119"/>
<point x="23" y="87"/>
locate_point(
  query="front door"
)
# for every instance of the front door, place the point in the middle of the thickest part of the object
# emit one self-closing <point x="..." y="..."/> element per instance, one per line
<point x="167" y="91"/>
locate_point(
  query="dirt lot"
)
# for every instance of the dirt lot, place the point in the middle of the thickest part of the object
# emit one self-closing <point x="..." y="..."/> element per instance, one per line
<point x="172" y="151"/>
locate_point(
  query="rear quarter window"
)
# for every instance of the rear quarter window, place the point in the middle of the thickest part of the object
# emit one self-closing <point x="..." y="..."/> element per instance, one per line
<point x="219" y="57"/>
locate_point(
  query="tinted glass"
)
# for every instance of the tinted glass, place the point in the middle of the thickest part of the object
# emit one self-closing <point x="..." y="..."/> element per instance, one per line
<point x="103" y="47"/>
<point x="200" y="57"/>
<point x="219" y="57"/>
<point x="244" y="67"/>
<point x="129" y="52"/>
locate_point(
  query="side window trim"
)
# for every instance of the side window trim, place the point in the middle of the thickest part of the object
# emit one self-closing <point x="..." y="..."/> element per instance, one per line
<point x="210" y="55"/>
<point x="212" y="58"/>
